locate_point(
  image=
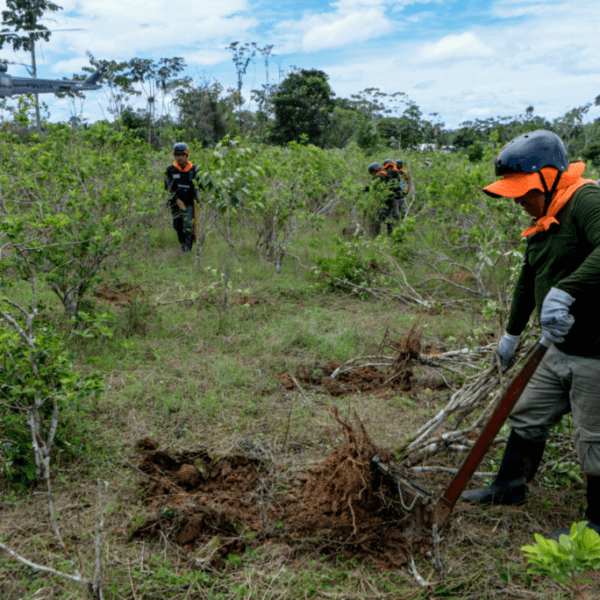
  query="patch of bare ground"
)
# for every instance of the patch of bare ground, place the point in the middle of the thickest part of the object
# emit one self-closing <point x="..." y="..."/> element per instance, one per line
<point x="344" y="506"/>
<point x="118" y="293"/>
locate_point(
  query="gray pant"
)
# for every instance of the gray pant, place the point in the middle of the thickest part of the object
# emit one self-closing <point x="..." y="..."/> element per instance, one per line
<point x="563" y="383"/>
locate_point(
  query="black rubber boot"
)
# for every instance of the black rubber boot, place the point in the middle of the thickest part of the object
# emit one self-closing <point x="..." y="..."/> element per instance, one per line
<point x="519" y="464"/>
<point x="592" y="513"/>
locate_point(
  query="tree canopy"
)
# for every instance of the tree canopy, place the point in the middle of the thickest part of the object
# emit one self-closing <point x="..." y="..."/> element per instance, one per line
<point x="303" y="106"/>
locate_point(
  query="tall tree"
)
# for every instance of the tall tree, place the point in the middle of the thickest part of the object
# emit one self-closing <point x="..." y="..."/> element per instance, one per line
<point x="25" y="16"/>
<point x="154" y="77"/>
<point x="117" y="84"/>
<point x="203" y="114"/>
<point x="303" y="105"/>
<point x="242" y="55"/>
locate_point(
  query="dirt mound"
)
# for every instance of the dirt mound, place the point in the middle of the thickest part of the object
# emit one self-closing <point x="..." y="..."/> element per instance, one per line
<point x="345" y="506"/>
<point x="119" y="293"/>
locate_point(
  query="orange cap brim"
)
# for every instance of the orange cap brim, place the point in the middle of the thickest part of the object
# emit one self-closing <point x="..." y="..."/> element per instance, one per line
<point x="514" y="185"/>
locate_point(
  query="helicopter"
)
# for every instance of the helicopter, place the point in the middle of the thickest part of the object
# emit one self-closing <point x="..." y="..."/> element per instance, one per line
<point x="13" y="86"/>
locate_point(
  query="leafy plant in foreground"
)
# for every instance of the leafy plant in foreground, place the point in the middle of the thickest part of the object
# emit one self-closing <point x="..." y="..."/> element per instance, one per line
<point x="565" y="560"/>
<point x="346" y="270"/>
<point x="38" y="388"/>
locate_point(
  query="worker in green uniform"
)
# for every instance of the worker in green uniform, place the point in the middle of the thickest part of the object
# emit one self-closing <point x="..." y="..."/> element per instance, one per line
<point x="181" y="183"/>
<point x="383" y="186"/>
<point x="560" y="277"/>
<point x="400" y="189"/>
<point x="404" y="174"/>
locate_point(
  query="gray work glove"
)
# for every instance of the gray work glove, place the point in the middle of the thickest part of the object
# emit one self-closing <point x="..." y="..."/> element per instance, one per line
<point x="507" y="347"/>
<point x="555" y="319"/>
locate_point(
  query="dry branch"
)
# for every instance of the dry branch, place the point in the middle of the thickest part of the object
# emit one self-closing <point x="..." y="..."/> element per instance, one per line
<point x="478" y="397"/>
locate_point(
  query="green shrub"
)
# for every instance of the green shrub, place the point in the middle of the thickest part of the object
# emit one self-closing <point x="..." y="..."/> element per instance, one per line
<point x="565" y="560"/>
<point x="38" y="384"/>
<point x="347" y="267"/>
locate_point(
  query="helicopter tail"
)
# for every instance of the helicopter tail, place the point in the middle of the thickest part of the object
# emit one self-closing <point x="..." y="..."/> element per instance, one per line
<point x="95" y="76"/>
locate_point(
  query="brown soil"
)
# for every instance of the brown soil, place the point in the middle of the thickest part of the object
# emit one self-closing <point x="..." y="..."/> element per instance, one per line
<point x="147" y="443"/>
<point x="344" y="507"/>
<point x="361" y="379"/>
<point x="117" y="293"/>
<point x="243" y="300"/>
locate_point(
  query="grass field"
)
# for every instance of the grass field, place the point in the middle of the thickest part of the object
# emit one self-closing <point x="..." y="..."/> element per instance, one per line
<point x="200" y="377"/>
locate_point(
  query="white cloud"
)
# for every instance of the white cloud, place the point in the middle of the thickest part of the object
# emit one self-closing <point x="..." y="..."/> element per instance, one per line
<point x="345" y="30"/>
<point x="351" y="22"/>
<point x="550" y="63"/>
<point x="510" y="9"/>
<point x="118" y="30"/>
<point x="455" y="47"/>
<point x="542" y="53"/>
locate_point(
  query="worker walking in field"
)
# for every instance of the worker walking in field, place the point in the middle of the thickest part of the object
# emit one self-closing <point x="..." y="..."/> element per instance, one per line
<point x="181" y="183"/>
<point x="383" y="186"/>
<point x="400" y="189"/>
<point x="560" y="277"/>
<point x="404" y="174"/>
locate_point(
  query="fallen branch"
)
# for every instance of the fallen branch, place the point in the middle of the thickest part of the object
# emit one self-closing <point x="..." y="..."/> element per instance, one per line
<point x="438" y="563"/>
<point x="415" y="573"/>
<point x="447" y="470"/>
<point x="36" y="567"/>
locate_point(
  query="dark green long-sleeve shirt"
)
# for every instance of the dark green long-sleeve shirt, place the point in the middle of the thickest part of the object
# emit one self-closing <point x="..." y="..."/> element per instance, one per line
<point x="566" y="257"/>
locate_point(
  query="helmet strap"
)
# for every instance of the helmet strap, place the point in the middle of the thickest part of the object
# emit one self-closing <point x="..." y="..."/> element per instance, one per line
<point x="549" y="193"/>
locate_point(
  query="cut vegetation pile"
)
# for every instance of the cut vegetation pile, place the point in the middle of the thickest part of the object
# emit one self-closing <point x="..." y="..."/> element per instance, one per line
<point x="344" y="506"/>
<point x="384" y="373"/>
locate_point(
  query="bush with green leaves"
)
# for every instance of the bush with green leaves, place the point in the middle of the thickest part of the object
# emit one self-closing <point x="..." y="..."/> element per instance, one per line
<point x="348" y="271"/>
<point x="566" y="560"/>
<point x="301" y="184"/>
<point x="71" y="201"/>
<point x="41" y="398"/>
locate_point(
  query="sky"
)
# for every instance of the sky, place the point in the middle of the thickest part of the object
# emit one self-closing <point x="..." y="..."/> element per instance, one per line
<point x="461" y="59"/>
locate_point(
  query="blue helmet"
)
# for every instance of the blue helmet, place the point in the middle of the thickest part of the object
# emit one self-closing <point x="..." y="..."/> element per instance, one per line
<point x="373" y="167"/>
<point x="388" y="161"/>
<point x="531" y="152"/>
<point x="399" y="163"/>
<point x="180" y="147"/>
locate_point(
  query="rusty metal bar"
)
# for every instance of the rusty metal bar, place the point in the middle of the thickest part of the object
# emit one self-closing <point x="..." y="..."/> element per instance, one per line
<point x="446" y="503"/>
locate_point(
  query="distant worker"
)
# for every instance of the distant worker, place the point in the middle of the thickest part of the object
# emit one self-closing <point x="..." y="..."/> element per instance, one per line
<point x="400" y="189"/>
<point x="404" y="173"/>
<point x="386" y="195"/>
<point x="180" y="182"/>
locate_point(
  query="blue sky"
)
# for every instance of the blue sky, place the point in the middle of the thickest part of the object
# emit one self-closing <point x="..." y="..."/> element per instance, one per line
<point x="461" y="59"/>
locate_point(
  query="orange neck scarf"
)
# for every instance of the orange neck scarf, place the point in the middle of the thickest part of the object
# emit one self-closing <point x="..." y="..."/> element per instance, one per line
<point x="569" y="183"/>
<point x="188" y="166"/>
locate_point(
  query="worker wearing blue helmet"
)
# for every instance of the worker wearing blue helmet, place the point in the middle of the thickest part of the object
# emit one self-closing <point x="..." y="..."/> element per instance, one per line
<point x="404" y="174"/>
<point x="382" y="185"/>
<point x="560" y="281"/>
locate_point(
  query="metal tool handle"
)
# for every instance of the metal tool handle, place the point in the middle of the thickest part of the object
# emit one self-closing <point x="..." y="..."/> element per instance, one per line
<point x="446" y="503"/>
